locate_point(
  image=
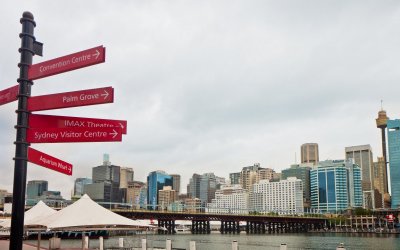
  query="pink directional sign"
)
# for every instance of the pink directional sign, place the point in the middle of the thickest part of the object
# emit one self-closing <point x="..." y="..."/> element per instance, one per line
<point x="67" y="63"/>
<point x="54" y="135"/>
<point x="9" y="95"/>
<point x="71" y="99"/>
<point x="47" y="161"/>
<point x="53" y="121"/>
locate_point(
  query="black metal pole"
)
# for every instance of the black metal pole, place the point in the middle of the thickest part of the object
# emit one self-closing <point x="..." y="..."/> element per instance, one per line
<point x="21" y="148"/>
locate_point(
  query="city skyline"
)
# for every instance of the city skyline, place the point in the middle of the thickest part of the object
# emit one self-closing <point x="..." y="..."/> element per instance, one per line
<point x="212" y="87"/>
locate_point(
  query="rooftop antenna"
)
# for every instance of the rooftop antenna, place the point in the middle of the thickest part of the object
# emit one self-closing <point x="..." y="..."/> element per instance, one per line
<point x="295" y="158"/>
<point x="381" y="105"/>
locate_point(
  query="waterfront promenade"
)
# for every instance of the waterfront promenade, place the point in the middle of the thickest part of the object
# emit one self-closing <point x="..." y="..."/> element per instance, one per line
<point x="5" y="244"/>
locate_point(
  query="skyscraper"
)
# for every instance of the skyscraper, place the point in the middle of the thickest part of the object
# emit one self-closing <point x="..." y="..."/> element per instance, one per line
<point x="208" y="186"/>
<point x="194" y="186"/>
<point x="156" y="180"/>
<point x="34" y="190"/>
<point x="380" y="183"/>
<point x="176" y="183"/>
<point x="105" y="187"/>
<point x="301" y="172"/>
<point x="335" y="186"/>
<point x="393" y="127"/>
<point x="309" y="153"/>
<point x="362" y="156"/>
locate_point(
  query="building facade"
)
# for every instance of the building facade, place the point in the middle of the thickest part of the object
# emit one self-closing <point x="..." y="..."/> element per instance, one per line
<point x="253" y="174"/>
<point x="208" y="186"/>
<point x="393" y="127"/>
<point x="126" y="175"/>
<point x="79" y="186"/>
<point x="193" y="188"/>
<point x="283" y="197"/>
<point x="380" y="182"/>
<point x="309" y="153"/>
<point x="301" y="172"/>
<point x="34" y="190"/>
<point x="156" y="180"/>
<point x="335" y="186"/>
<point x="234" y="178"/>
<point x="362" y="156"/>
<point x="230" y="199"/>
<point x="166" y="197"/>
<point x="133" y="193"/>
<point x="176" y="183"/>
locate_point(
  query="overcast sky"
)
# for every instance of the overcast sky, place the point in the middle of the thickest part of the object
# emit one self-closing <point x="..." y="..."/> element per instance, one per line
<point x="211" y="86"/>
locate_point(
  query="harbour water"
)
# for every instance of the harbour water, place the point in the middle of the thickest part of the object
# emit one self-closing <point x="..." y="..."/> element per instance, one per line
<point x="359" y="241"/>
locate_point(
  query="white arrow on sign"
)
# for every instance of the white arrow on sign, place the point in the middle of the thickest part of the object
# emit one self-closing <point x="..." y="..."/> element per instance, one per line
<point x="105" y="94"/>
<point x="97" y="54"/>
<point x="122" y="126"/>
<point x="115" y="133"/>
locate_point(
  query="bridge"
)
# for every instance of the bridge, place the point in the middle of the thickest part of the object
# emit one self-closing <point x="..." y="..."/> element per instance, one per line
<point x="255" y="224"/>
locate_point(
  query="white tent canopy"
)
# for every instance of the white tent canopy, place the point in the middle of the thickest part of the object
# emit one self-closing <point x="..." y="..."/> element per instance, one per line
<point x="87" y="214"/>
<point x="36" y="213"/>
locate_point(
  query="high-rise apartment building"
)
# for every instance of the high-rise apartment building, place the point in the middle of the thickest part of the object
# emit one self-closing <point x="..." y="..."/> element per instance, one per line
<point x="253" y="174"/>
<point x="156" y="180"/>
<point x="79" y="186"/>
<point x="176" y="183"/>
<point x="301" y="172"/>
<point x="335" y="186"/>
<point x="393" y="127"/>
<point x="282" y="197"/>
<point x="126" y="175"/>
<point x="362" y="156"/>
<point x="34" y="190"/>
<point x="230" y="199"/>
<point x="309" y="153"/>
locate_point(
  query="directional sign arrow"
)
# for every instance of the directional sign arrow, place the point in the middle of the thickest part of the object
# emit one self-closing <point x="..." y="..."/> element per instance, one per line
<point x="53" y="121"/>
<point x="71" y="99"/>
<point x="54" y="135"/>
<point x="9" y="94"/>
<point x="67" y="63"/>
<point x="48" y="161"/>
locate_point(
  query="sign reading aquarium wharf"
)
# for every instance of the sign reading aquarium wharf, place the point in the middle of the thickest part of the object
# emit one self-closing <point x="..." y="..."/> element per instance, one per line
<point x="47" y="161"/>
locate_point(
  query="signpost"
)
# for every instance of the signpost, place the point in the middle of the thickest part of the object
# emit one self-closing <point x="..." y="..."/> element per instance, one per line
<point x="71" y="99"/>
<point x="48" y="161"/>
<point x="54" y="135"/>
<point x="33" y="128"/>
<point x="9" y="95"/>
<point x="53" y="121"/>
<point x="68" y="63"/>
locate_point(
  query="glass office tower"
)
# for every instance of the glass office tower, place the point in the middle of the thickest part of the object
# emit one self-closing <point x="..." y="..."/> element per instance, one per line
<point x="335" y="186"/>
<point x="393" y="127"/>
<point x="156" y="180"/>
